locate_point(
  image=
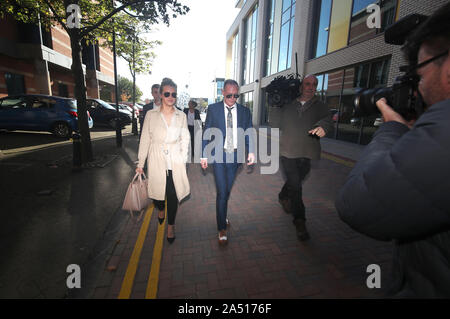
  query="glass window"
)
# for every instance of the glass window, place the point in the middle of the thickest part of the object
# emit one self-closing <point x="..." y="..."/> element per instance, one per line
<point x="284" y="46"/>
<point x="13" y="103"/>
<point x="361" y="5"/>
<point x="379" y="73"/>
<point x="358" y="26"/>
<point x="280" y="35"/>
<point x="42" y="103"/>
<point x="247" y="100"/>
<point x="250" y="46"/>
<point x="359" y="31"/>
<point x="322" y="28"/>
<point x="234" y="57"/>
<point x="63" y="90"/>
<point x="15" y="83"/>
<point x="361" y="76"/>
<point x="286" y="35"/>
<point x="367" y="75"/>
<point x="269" y="43"/>
<point x="343" y="22"/>
<point x="388" y="11"/>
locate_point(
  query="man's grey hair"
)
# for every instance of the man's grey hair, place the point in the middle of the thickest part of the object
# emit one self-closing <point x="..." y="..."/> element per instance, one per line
<point x="230" y="82"/>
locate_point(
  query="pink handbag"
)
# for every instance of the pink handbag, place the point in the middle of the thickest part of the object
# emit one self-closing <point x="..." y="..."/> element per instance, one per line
<point x="136" y="198"/>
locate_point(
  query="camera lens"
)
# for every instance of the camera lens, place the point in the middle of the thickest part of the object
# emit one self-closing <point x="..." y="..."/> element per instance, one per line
<point x="365" y="101"/>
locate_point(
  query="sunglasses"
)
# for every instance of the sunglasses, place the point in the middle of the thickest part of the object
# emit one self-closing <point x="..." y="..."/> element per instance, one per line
<point x="229" y="96"/>
<point x="167" y="94"/>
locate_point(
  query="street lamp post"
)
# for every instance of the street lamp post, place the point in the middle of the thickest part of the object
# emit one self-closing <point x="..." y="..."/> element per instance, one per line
<point x="118" y="126"/>
<point x="134" y="120"/>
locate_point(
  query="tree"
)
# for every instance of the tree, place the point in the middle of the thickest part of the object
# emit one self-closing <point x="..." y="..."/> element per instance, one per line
<point x="126" y="89"/>
<point x="88" y="20"/>
<point x="136" y="51"/>
<point x="133" y="48"/>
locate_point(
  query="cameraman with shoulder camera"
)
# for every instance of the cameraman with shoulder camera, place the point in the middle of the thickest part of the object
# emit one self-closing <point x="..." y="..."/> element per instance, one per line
<point x="302" y="123"/>
<point x="399" y="189"/>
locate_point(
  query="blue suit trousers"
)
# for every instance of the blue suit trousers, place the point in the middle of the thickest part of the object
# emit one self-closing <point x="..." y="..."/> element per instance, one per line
<point x="224" y="174"/>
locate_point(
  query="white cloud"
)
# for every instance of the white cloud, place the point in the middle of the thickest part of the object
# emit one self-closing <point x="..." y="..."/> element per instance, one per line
<point x="193" y="49"/>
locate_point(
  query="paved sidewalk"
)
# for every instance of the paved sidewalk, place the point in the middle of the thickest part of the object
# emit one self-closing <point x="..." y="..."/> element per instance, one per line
<point x="263" y="259"/>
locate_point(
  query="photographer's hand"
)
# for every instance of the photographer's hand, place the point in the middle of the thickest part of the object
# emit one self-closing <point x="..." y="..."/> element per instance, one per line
<point x="389" y="114"/>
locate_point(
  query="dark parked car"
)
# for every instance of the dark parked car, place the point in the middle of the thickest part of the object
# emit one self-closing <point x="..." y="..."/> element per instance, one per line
<point x="35" y="112"/>
<point x="123" y="107"/>
<point x="105" y="114"/>
<point x="137" y="107"/>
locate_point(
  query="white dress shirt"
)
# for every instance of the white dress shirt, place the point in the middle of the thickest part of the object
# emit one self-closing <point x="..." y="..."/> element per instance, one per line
<point x="191" y="118"/>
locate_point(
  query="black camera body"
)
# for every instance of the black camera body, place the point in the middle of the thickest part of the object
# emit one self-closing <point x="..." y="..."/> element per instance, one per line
<point x="403" y="96"/>
<point x="282" y="90"/>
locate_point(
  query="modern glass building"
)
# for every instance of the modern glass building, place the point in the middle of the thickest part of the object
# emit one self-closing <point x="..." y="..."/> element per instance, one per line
<point x="328" y="38"/>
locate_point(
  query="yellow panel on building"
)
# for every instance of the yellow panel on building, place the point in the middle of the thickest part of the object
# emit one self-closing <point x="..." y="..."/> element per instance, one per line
<point x="339" y="24"/>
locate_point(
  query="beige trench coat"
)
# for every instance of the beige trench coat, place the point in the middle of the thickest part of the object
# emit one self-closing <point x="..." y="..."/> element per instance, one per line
<point x="156" y="139"/>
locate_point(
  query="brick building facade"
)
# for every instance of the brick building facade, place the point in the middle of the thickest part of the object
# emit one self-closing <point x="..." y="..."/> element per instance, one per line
<point x="36" y="61"/>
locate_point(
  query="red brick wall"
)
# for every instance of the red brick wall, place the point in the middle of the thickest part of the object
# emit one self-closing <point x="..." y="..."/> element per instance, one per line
<point x="25" y="68"/>
<point x="106" y="61"/>
<point x="60" y="76"/>
<point x="61" y="41"/>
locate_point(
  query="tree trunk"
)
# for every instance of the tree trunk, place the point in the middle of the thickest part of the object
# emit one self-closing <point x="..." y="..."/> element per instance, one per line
<point x="80" y="95"/>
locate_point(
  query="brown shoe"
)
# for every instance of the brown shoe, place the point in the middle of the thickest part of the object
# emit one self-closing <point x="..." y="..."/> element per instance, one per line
<point x="286" y="204"/>
<point x="302" y="232"/>
<point x="223" y="240"/>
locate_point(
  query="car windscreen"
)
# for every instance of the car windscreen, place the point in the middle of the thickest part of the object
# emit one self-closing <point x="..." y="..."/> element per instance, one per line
<point x="105" y="105"/>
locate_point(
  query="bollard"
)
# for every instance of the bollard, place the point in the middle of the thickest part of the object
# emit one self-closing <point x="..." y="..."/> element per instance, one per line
<point x="76" y="139"/>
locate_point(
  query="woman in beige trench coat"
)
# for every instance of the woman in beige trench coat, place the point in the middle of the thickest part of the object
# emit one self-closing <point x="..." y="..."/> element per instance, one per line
<point x="165" y="144"/>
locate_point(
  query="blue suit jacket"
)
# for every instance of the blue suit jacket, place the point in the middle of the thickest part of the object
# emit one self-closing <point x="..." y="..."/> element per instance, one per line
<point x="215" y="118"/>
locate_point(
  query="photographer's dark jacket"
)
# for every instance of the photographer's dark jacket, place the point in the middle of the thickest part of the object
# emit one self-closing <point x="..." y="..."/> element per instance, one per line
<point x="294" y="121"/>
<point x="400" y="190"/>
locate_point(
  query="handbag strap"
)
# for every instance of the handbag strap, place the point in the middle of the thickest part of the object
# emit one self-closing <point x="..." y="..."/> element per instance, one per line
<point x="137" y="175"/>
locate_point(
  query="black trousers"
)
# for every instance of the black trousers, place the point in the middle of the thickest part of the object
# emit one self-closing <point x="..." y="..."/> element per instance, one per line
<point x="172" y="200"/>
<point x="295" y="170"/>
<point x="191" y="130"/>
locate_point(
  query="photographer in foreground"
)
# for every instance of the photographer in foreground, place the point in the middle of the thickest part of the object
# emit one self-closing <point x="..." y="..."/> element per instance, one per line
<point x="399" y="189"/>
<point x="302" y="123"/>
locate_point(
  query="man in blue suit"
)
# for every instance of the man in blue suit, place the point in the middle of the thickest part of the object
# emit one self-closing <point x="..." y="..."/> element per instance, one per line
<point x="227" y="121"/>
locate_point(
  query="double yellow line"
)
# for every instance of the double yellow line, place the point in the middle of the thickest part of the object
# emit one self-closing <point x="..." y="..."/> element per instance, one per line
<point x="152" y="284"/>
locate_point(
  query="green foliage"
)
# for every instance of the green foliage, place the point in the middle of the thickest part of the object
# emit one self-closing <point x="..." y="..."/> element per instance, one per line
<point x="96" y="15"/>
<point x="125" y="88"/>
<point x="133" y="47"/>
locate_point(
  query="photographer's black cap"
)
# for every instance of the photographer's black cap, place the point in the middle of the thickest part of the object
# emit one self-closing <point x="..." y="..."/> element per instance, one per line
<point x="399" y="31"/>
<point x="437" y="25"/>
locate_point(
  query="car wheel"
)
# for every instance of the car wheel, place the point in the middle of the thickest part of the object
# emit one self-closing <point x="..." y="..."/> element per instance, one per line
<point x="62" y="130"/>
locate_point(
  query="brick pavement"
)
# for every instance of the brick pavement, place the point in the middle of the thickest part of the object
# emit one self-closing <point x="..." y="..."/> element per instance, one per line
<point x="263" y="259"/>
